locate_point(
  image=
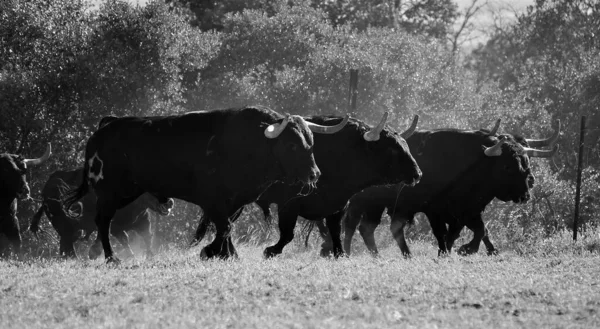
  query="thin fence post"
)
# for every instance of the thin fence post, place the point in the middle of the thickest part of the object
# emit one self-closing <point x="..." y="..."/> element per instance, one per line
<point x="578" y="183"/>
<point x="353" y="90"/>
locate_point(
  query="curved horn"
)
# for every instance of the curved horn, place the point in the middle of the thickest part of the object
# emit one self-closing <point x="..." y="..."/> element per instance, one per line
<point x="373" y="134"/>
<point x="412" y="128"/>
<point x="274" y="130"/>
<point x="496" y="126"/>
<point x="42" y="159"/>
<point x="545" y="142"/>
<point x="533" y="153"/>
<point x="496" y="150"/>
<point x="315" y="128"/>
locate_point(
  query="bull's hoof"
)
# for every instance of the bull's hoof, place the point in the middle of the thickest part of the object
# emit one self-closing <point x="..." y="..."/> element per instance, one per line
<point x="270" y="252"/>
<point x="209" y="253"/>
<point x="206" y="253"/>
<point x="113" y="260"/>
<point x="337" y="252"/>
<point x="466" y="250"/>
<point x="443" y="253"/>
<point x="492" y="252"/>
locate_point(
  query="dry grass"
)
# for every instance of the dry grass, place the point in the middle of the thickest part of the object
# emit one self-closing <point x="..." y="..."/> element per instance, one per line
<point x="299" y="290"/>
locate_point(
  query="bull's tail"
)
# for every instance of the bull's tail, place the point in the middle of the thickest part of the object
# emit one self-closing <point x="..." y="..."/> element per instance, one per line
<point x="73" y="195"/>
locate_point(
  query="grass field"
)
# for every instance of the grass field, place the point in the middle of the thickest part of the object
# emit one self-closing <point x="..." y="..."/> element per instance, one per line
<point x="555" y="285"/>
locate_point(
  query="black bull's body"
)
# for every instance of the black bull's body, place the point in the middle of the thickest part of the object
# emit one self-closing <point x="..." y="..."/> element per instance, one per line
<point x="13" y="186"/>
<point x="135" y="216"/>
<point x="219" y="160"/>
<point x="459" y="181"/>
<point x="349" y="162"/>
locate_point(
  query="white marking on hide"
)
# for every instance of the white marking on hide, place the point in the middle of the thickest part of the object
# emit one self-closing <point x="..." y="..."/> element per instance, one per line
<point x="94" y="176"/>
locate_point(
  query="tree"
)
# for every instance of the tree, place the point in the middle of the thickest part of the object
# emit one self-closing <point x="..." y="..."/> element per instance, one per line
<point x="429" y="17"/>
<point x="550" y="59"/>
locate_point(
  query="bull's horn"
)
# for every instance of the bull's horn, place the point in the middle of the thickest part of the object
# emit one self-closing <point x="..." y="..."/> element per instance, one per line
<point x="534" y="143"/>
<point x="315" y="128"/>
<point x="373" y="134"/>
<point x="35" y="162"/>
<point x="412" y="128"/>
<point x="274" y="130"/>
<point x="533" y="153"/>
<point x="495" y="129"/>
<point x="496" y="150"/>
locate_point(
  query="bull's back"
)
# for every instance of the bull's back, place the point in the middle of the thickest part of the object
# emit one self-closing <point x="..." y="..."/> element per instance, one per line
<point x="443" y="156"/>
<point x="157" y="152"/>
<point x="171" y="154"/>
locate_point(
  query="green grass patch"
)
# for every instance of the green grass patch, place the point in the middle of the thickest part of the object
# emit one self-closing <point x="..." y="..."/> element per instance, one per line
<point x="300" y="290"/>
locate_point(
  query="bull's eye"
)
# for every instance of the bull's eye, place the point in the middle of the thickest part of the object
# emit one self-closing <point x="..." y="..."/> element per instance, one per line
<point x="293" y="147"/>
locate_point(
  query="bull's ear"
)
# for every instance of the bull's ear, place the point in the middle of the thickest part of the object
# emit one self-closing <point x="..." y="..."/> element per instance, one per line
<point x="495" y="150"/>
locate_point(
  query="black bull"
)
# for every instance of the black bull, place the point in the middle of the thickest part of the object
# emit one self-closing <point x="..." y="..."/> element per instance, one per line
<point x="134" y="216"/>
<point x="13" y="186"/>
<point x="459" y="181"/>
<point x="350" y="161"/>
<point x="219" y="160"/>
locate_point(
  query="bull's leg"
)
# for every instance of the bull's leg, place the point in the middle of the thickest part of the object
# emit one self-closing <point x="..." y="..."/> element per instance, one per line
<point x="334" y="224"/>
<point x="200" y="230"/>
<point x="287" y="223"/>
<point x="34" y="225"/>
<point x="123" y="238"/>
<point x="397" y="228"/>
<point x="488" y="244"/>
<point x="13" y="234"/>
<point x="327" y="245"/>
<point x="222" y="246"/>
<point x="476" y="225"/>
<point x="439" y="230"/>
<point x="454" y="230"/>
<point x="350" y="224"/>
<point x="368" y="223"/>
<point x="67" y="248"/>
<point x="106" y="209"/>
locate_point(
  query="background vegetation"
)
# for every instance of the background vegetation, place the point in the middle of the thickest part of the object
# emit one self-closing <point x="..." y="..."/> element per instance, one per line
<point x="65" y="64"/>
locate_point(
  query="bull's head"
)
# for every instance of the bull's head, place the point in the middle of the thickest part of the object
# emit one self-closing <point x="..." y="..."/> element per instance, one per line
<point x="512" y="173"/>
<point x="12" y="173"/>
<point x="391" y="151"/>
<point x="294" y="146"/>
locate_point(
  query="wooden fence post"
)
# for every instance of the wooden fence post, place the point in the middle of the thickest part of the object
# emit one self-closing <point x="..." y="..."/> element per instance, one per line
<point x="578" y="183"/>
<point x="353" y="90"/>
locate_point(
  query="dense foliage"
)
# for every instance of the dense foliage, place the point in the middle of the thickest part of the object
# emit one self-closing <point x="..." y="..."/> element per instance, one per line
<point x="65" y="64"/>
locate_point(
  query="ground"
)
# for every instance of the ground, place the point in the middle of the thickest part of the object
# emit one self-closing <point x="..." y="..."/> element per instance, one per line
<point x="175" y="289"/>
